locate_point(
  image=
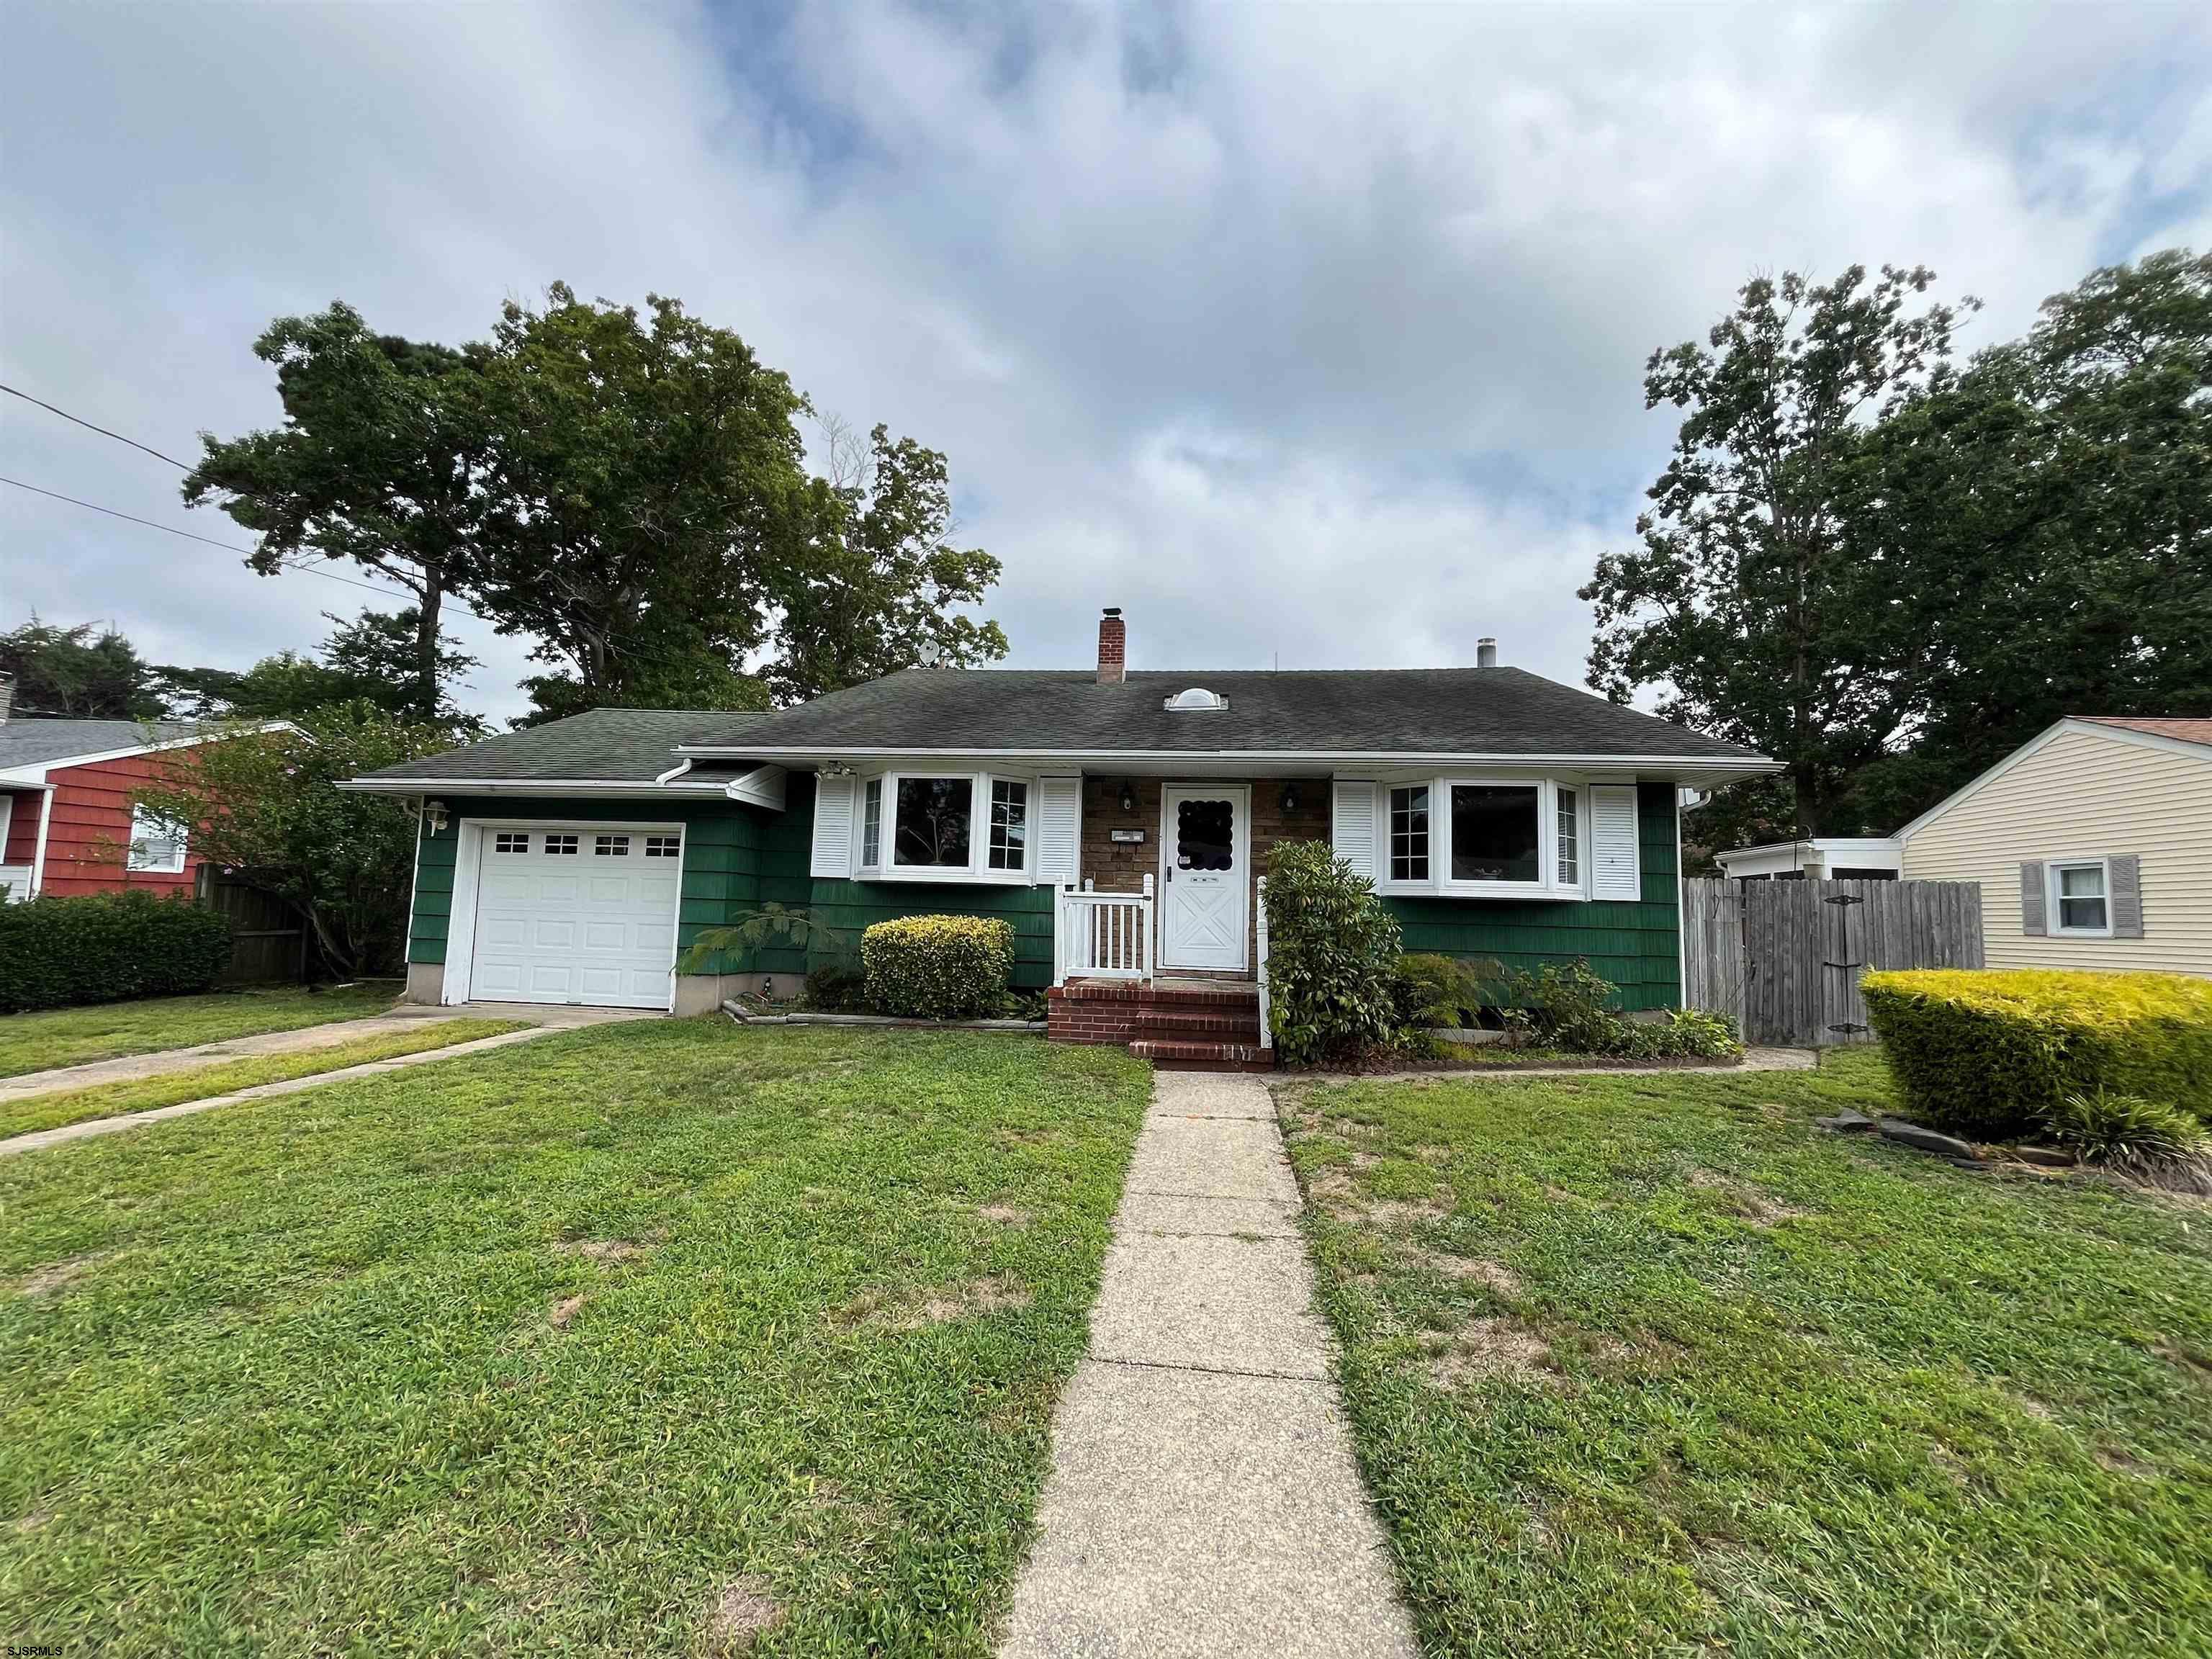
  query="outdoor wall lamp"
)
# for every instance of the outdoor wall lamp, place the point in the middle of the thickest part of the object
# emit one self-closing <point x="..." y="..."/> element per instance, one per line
<point x="434" y="810"/>
<point x="1129" y="796"/>
<point x="1290" y="797"/>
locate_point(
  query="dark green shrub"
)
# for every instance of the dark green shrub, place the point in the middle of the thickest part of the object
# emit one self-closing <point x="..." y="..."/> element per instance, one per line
<point x="1333" y="952"/>
<point x="937" y="967"/>
<point x="837" y="987"/>
<point x="1571" y="1008"/>
<point x="1438" y="990"/>
<point x="1684" y="1034"/>
<point x="2147" y="1140"/>
<point x="1992" y="1053"/>
<point x="107" y="947"/>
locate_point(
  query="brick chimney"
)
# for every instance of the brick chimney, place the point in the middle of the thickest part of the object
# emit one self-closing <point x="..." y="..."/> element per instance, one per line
<point x="7" y="696"/>
<point x="1113" y="647"/>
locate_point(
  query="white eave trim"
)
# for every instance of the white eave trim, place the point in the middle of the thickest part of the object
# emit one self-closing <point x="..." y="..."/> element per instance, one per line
<point x="762" y="786"/>
<point x="601" y="787"/>
<point x="2036" y="744"/>
<point x="1732" y="766"/>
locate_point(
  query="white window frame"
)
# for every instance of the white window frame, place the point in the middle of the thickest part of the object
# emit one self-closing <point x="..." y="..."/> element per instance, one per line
<point x="865" y="865"/>
<point x="2055" y="913"/>
<point x="145" y="826"/>
<point x="978" y="870"/>
<point x="1440" y="882"/>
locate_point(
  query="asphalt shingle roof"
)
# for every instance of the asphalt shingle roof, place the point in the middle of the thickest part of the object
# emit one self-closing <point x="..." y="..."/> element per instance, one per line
<point x="1445" y="711"/>
<point x="2187" y="729"/>
<point x="1474" y="711"/>
<point x="34" y="742"/>
<point x="604" y="745"/>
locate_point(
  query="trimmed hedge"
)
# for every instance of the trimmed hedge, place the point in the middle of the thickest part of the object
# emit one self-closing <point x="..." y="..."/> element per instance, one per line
<point x="107" y="947"/>
<point x="1995" y="1053"/>
<point x="937" y="967"/>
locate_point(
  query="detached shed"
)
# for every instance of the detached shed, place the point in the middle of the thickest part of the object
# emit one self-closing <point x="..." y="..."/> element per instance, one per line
<point x="2092" y="845"/>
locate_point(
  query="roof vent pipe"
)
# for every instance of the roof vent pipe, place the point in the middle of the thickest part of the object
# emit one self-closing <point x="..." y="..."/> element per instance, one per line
<point x="1113" y="647"/>
<point x="1485" y="653"/>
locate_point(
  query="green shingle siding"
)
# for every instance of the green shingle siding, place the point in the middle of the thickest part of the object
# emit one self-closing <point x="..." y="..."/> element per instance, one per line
<point x="1635" y="945"/>
<point x="852" y="906"/>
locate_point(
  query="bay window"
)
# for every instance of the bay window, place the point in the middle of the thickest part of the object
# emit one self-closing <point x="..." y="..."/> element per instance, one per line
<point x="942" y="827"/>
<point x="931" y="821"/>
<point x="1500" y="837"/>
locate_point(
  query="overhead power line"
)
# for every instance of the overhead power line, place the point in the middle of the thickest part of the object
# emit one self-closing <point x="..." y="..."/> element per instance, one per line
<point x="231" y="547"/>
<point x="89" y="426"/>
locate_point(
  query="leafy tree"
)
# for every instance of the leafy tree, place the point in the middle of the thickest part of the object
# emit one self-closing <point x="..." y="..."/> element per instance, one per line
<point x="880" y="596"/>
<point x="77" y="672"/>
<point x="379" y="460"/>
<point x="2052" y="504"/>
<point x="264" y="804"/>
<point x="648" y="481"/>
<point x="369" y="659"/>
<point x="1741" y="600"/>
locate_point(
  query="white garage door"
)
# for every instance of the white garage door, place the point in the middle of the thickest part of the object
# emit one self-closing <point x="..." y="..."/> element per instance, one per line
<point x="576" y="913"/>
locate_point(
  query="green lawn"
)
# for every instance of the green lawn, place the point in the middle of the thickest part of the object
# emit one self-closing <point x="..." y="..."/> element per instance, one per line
<point x="74" y="1036"/>
<point x="54" y="1109"/>
<point x="622" y="1341"/>
<point x="1649" y="1365"/>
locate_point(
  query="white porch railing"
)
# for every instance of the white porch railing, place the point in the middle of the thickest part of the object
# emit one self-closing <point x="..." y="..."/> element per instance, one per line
<point x="1101" y="935"/>
<point x="1260" y="959"/>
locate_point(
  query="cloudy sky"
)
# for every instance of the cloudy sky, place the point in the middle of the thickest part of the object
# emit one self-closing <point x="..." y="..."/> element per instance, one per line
<point x="1308" y="335"/>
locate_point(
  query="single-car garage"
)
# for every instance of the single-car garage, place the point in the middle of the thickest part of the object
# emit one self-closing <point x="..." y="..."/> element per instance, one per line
<point x="574" y="913"/>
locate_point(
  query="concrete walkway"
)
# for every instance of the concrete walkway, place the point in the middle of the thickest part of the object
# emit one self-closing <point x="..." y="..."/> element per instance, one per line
<point x="1203" y="1498"/>
<point x="108" y="1125"/>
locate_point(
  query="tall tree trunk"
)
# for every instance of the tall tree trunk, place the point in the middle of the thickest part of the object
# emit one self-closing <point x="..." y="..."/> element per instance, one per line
<point x="433" y="592"/>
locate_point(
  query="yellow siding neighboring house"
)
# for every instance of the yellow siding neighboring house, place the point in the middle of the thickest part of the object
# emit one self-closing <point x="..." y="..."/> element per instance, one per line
<point x="2083" y="791"/>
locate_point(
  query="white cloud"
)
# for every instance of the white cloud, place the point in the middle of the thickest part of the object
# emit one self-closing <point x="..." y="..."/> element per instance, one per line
<point x="1313" y="330"/>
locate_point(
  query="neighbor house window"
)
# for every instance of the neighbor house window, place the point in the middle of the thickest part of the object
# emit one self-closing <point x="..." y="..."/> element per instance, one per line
<point x="1010" y="810"/>
<point x="157" y="844"/>
<point x="1409" y="834"/>
<point x="931" y="831"/>
<point x="872" y="824"/>
<point x="2079" y="898"/>
<point x="1496" y="833"/>
<point x="1570" y="841"/>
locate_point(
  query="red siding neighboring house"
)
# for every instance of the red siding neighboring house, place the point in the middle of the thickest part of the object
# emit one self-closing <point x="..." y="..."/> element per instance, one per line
<point x="65" y="794"/>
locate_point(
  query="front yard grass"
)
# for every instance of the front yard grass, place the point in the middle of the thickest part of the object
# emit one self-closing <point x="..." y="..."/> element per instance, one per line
<point x="52" y="1111"/>
<point x="76" y="1036"/>
<point x="629" y="1340"/>
<point x="1650" y="1364"/>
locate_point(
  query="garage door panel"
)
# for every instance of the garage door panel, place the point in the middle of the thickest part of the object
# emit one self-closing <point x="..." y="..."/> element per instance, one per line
<point x="549" y="929"/>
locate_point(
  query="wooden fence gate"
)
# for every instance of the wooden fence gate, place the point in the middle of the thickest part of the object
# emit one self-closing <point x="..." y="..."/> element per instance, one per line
<point x="1783" y="958"/>
<point x="269" y="939"/>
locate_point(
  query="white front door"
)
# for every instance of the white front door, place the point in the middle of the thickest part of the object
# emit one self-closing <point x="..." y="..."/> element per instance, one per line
<point x="1205" y="885"/>
<point x="576" y="913"/>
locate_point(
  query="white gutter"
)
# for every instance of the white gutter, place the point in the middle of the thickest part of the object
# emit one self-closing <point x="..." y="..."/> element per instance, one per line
<point x="607" y="786"/>
<point x="1747" y="764"/>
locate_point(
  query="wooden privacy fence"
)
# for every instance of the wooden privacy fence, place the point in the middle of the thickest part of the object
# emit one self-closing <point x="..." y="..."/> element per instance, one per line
<point x="1783" y="958"/>
<point x="269" y="939"/>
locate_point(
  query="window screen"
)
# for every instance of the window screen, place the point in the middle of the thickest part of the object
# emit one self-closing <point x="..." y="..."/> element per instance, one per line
<point x="1206" y="834"/>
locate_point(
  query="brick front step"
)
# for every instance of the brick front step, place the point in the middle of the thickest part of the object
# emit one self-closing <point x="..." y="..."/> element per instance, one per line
<point x="1203" y="1056"/>
<point x="1176" y="1025"/>
<point x="1198" y="1025"/>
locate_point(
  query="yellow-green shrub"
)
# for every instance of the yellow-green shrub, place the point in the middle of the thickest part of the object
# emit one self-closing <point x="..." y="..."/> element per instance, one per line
<point x="1993" y="1053"/>
<point x="937" y="967"/>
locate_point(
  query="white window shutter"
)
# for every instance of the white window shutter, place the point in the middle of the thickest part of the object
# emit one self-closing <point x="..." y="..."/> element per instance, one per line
<point x="1352" y="827"/>
<point x="1060" y="831"/>
<point x="833" y="828"/>
<point x="1612" y="843"/>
